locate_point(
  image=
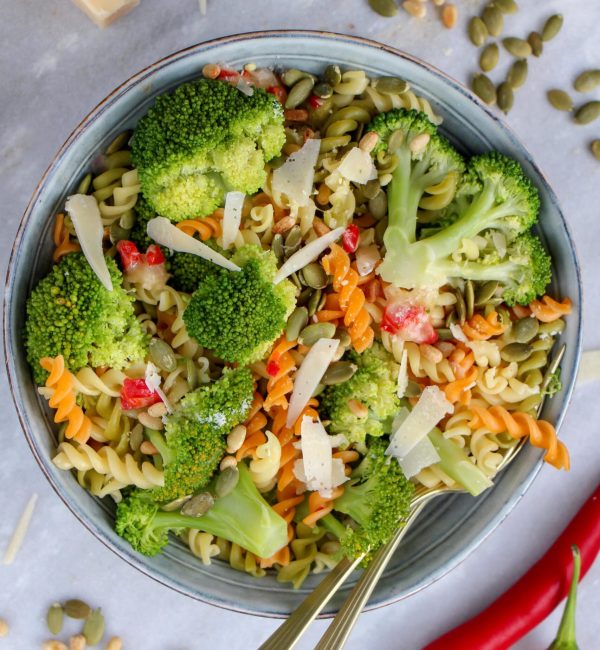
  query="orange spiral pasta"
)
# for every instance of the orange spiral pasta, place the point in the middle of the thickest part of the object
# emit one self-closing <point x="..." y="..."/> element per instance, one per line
<point x="62" y="383"/>
<point x="346" y="281"/>
<point x="255" y="425"/>
<point x="62" y="239"/>
<point x="479" y="328"/>
<point x="459" y="390"/>
<point x="547" y="309"/>
<point x="518" y="425"/>
<point x="205" y="228"/>
<point x="280" y="384"/>
<point x="319" y="506"/>
<point x="331" y="312"/>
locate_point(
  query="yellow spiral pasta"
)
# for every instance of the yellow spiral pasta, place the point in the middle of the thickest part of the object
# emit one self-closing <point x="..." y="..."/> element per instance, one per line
<point x="201" y="544"/>
<point x="116" y="191"/>
<point x="264" y="467"/>
<point x="106" y="461"/>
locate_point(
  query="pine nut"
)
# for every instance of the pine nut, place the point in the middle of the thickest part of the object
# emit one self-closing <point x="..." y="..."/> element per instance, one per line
<point x="415" y="8"/>
<point x="283" y="225"/>
<point x="323" y="194"/>
<point x="150" y="422"/>
<point x="320" y="228"/>
<point x="77" y="642"/>
<point x="148" y="448"/>
<point x="211" y="71"/>
<point x="295" y="115"/>
<point x="449" y="16"/>
<point x="3" y="628"/>
<point x="115" y="643"/>
<point x="236" y="438"/>
<point x="53" y="644"/>
<point x="358" y="408"/>
<point x="430" y="353"/>
<point x="419" y="142"/>
<point x="157" y="410"/>
<point x="368" y="141"/>
<point x="228" y="461"/>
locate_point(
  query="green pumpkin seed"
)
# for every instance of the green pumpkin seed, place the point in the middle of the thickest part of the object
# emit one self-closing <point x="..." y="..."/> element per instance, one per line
<point x="343" y="337"/>
<point x="312" y="333"/>
<point x="226" y="481"/>
<point x="484" y="88"/>
<point x="117" y="233"/>
<point x="300" y="92"/>
<point x="493" y="19"/>
<point x="587" y="81"/>
<point x="478" y="32"/>
<point x="560" y="100"/>
<point x="93" y="630"/>
<point x="515" y="352"/>
<point x="294" y="277"/>
<point x="380" y="229"/>
<point x="338" y="373"/>
<point x="323" y="90"/>
<point x="506" y="97"/>
<point x="293" y="240"/>
<point x="292" y="76"/>
<point x="176" y="504"/>
<point x="136" y="437"/>
<point x="490" y="55"/>
<point x="118" y="143"/>
<point x="552" y="27"/>
<point x="385" y="8"/>
<point x="314" y="276"/>
<point x="314" y="301"/>
<point x="371" y="189"/>
<point x="469" y="298"/>
<point x="54" y="618"/>
<point x="332" y="74"/>
<point x="525" y="329"/>
<point x="390" y="85"/>
<point x="451" y="319"/>
<point x="537" y="45"/>
<point x="118" y="159"/>
<point x="378" y="205"/>
<point x="84" y="185"/>
<point x="413" y="389"/>
<point x="588" y="113"/>
<point x="444" y="334"/>
<point x="296" y="323"/>
<point x="484" y="292"/>
<point x="461" y="307"/>
<point x="517" y="47"/>
<point x="277" y="246"/>
<point x="198" y="505"/>
<point x="191" y="373"/>
<point x="162" y="355"/>
<point x="304" y="297"/>
<point x="517" y="73"/>
<point x="507" y="6"/>
<point x="75" y="608"/>
<point x="595" y="147"/>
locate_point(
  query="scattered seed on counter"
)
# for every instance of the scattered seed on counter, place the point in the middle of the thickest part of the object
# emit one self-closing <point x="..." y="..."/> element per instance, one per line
<point x="490" y="55"/>
<point x="595" y="148"/>
<point x="505" y="97"/>
<point x="588" y="113"/>
<point x="560" y="100"/>
<point x="4" y="629"/>
<point x="587" y="81"/>
<point x="517" y="47"/>
<point x="552" y="27"/>
<point x="517" y="73"/>
<point x="484" y="88"/>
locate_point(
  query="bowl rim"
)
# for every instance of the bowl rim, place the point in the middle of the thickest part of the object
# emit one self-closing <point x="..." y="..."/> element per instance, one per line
<point x="103" y="105"/>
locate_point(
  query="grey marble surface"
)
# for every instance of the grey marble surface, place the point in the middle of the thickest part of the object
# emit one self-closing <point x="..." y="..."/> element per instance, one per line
<point x="54" y="66"/>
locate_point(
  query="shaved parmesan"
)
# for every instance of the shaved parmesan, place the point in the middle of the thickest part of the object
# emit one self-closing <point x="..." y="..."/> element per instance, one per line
<point x="85" y="215"/>
<point x="317" y="469"/>
<point x="457" y="333"/>
<point x="163" y="232"/>
<point x="589" y="368"/>
<point x="427" y="412"/>
<point x="308" y="254"/>
<point x="16" y="540"/>
<point x="357" y="166"/>
<point x="153" y="381"/>
<point x="232" y="217"/>
<point x="402" y="383"/>
<point x="309" y="375"/>
<point x="294" y="179"/>
<point x="422" y="455"/>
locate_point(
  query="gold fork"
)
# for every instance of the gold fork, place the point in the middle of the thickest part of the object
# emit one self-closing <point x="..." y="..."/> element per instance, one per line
<point x="289" y="632"/>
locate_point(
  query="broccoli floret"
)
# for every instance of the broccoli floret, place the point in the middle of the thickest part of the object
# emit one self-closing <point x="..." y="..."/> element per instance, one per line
<point x="189" y="270"/>
<point x="554" y="384"/>
<point x="143" y="213"/>
<point x="238" y="314"/>
<point x="377" y="499"/>
<point x="71" y="313"/>
<point x="203" y="140"/>
<point x="495" y="196"/>
<point x="195" y="434"/>
<point x="242" y="517"/>
<point x="415" y="170"/>
<point x="373" y="386"/>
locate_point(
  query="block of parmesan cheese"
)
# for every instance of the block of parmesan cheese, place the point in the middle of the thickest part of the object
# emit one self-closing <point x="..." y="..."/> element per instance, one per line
<point x="105" y="12"/>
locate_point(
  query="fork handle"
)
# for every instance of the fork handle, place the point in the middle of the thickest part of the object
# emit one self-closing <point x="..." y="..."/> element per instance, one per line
<point x="338" y="632"/>
<point x="289" y="632"/>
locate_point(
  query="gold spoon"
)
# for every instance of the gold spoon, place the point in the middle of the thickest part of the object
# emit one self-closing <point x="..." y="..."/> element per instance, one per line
<point x="289" y="632"/>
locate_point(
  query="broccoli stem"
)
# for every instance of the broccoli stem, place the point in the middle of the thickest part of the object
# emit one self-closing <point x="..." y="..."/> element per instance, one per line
<point x="158" y="440"/>
<point x="455" y="463"/>
<point x="402" y="199"/>
<point x="333" y="525"/>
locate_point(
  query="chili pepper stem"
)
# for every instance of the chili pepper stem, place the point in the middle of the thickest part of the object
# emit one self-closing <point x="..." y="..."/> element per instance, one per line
<point x="565" y="639"/>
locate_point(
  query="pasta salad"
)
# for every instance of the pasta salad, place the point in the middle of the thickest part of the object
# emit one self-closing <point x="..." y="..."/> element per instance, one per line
<point x="282" y="307"/>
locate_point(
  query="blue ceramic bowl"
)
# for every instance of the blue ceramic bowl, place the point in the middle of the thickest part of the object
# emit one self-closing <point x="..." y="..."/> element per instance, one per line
<point x="451" y="527"/>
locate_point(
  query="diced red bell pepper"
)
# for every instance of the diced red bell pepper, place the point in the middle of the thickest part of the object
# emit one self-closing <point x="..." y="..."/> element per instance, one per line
<point x="272" y="368"/>
<point x="279" y="92"/>
<point x="130" y="255"/>
<point x="315" y="102"/>
<point x="350" y="238"/>
<point x="228" y="75"/>
<point x="136" y="395"/>
<point x="154" y="255"/>
<point x="410" y="322"/>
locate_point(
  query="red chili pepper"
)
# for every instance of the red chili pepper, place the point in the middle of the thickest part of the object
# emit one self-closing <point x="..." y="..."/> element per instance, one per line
<point x="130" y="255"/>
<point x="154" y="255"/>
<point x="136" y="395"/>
<point x="315" y="102"/>
<point x="272" y="368"/>
<point x="536" y="594"/>
<point x="411" y="321"/>
<point x="279" y="92"/>
<point x="350" y="238"/>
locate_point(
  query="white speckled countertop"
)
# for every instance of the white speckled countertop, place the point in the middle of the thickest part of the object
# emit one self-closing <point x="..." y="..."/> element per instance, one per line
<point x="55" y="66"/>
